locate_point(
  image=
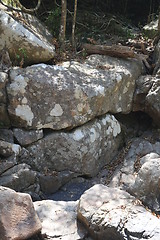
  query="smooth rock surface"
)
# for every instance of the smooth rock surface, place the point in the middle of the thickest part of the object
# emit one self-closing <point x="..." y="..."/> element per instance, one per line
<point x="18" y="219"/>
<point x="59" y="220"/>
<point x="26" y="38"/>
<point x="83" y="150"/>
<point x="76" y="93"/>
<point x="113" y="214"/>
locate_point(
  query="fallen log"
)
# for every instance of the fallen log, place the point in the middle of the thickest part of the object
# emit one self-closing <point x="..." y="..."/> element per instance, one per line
<point x="116" y="51"/>
<point x="113" y="51"/>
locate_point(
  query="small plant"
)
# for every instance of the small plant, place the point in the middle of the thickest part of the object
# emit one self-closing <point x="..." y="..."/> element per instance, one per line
<point x="20" y="57"/>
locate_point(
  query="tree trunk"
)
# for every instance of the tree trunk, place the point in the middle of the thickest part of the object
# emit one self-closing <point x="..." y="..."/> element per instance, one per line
<point x="74" y="23"/>
<point x="159" y="24"/>
<point x="62" y="33"/>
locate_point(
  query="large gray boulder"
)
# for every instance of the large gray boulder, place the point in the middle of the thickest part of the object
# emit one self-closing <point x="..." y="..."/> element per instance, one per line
<point x="25" y="38"/>
<point x="147" y="182"/>
<point x="18" y="219"/>
<point x="126" y="174"/>
<point x="59" y="220"/>
<point x="58" y="97"/>
<point x="83" y="150"/>
<point x="140" y="170"/>
<point x="113" y="214"/>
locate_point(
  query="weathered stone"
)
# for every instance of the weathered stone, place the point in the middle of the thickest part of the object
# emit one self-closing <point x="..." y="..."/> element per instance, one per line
<point x="76" y="93"/>
<point x="83" y="150"/>
<point x="125" y="177"/>
<point x="7" y="149"/>
<point x="3" y="81"/>
<point x="18" y="219"/>
<point x="147" y="183"/>
<point x="25" y="137"/>
<point x="6" y="135"/>
<point x="113" y="214"/>
<point x="4" y="118"/>
<point x="25" y="40"/>
<point x="59" y="220"/>
<point x="18" y="177"/>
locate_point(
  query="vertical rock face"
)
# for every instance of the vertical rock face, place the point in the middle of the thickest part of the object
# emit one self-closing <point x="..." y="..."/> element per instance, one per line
<point x="83" y="150"/>
<point x="59" y="97"/>
<point x="26" y="39"/>
<point x="18" y="219"/>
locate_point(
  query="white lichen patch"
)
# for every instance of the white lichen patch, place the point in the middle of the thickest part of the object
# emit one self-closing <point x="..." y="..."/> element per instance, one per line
<point x="93" y="135"/>
<point x="114" y="127"/>
<point x="24" y="100"/>
<point x="78" y="135"/>
<point x="109" y="130"/>
<point x="119" y="78"/>
<point x="80" y="107"/>
<point x="57" y="111"/>
<point x="18" y="86"/>
<point x="25" y="113"/>
<point x="78" y="93"/>
<point x="101" y="90"/>
<point x="125" y="90"/>
<point x="16" y="149"/>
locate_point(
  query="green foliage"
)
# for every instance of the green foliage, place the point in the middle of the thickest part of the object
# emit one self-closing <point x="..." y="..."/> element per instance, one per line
<point x="20" y="57"/>
<point x="53" y="21"/>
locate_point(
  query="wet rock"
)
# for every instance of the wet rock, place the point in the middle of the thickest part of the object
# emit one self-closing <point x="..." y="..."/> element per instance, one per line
<point x="25" y="137"/>
<point x="27" y="39"/>
<point x="83" y="150"/>
<point x="18" y="219"/>
<point x="76" y="93"/>
<point x="113" y="214"/>
<point x="59" y="220"/>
